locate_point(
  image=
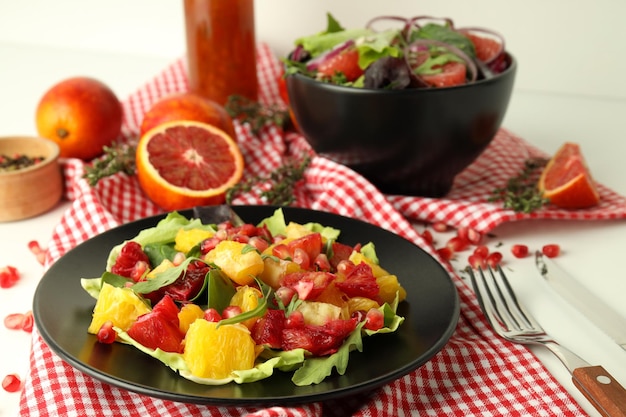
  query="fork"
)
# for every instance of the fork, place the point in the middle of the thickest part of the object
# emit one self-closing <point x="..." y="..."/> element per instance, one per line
<point x="511" y="321"/>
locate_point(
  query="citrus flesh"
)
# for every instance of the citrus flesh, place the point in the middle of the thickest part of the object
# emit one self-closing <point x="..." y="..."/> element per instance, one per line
<point x="182" y="164"/>
<point x="120" y="306"/>
<point x="213" y="351"/>
<point x="566" y="180"/>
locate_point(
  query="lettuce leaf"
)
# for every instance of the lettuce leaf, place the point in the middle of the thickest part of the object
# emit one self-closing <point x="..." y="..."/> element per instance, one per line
<point x="164" y="232"/>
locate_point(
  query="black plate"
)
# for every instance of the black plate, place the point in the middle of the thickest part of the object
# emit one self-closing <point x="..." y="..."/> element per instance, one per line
<point x="62" y="311"/>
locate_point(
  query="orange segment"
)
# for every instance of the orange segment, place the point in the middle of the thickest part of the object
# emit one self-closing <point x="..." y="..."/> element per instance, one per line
<point x="182" y="164"/>
<point x="215" y="352"/>
<point x="566" y="180"/>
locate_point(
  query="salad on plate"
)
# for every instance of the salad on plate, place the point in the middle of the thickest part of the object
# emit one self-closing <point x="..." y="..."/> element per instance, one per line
<point x="424" y="52"/>
<point x="221" y="303"/>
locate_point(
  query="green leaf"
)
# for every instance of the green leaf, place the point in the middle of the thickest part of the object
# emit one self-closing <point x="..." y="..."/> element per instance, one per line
<point x="258" y="311"/>
<point x="164" y="232"/>
<point x="275" y="223"/>
<point x="332" y="24"/>
<point x="92" y="286"/>
<point x="158" y="252"/>
<point x="445" y="34"/>
<point x="369" y="251"/>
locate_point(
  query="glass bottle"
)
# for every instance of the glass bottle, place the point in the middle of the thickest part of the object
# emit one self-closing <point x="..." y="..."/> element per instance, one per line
<point x="221" y="49"/>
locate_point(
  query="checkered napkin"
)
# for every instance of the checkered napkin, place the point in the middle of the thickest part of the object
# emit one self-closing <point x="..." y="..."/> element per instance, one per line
<point x="476" y="373"/>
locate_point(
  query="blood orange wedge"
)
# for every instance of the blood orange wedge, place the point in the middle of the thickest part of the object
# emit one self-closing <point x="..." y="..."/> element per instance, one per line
<point x="566" y="180"/>
<point x="183" y="164"/>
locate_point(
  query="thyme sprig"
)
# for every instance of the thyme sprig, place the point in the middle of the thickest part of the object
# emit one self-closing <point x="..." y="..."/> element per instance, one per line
<point x="521" y="193"/>
<point x="116" y="158"/>
<point x="282" y="182"/>
<point x="256" y="114"/>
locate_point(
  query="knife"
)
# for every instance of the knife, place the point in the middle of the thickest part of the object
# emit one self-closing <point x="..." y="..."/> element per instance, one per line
<point x="603" y="316"/>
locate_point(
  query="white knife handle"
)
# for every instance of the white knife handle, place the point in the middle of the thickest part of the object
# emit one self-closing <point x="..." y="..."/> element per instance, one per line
<point x="601" y="389"/>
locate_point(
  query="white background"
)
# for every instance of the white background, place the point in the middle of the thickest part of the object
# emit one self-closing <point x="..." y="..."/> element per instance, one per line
<point x="570" y="86"/>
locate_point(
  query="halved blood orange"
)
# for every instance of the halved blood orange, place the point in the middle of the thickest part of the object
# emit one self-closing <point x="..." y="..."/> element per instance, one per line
<point x="566" y="180"/>
<point x="183" y="164"/>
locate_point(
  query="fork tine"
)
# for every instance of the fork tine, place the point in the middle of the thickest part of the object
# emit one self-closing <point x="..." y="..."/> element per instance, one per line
<point x="487" y="301"/>
<point x="513" y="307"/>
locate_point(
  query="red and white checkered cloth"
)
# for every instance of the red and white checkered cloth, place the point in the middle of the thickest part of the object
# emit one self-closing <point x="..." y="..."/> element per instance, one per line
<point x="476" y="373"/>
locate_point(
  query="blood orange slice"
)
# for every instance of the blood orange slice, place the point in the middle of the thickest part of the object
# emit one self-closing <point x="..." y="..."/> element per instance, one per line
<point x="183" y="164"/>
<point x="566" y="180"/>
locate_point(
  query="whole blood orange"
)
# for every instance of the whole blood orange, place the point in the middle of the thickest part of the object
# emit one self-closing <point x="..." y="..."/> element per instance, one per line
<point x="566" y="180"/>
<point x="183" y="164"/>
<point x="187" y="106"/>
<point x="82" y="115"/>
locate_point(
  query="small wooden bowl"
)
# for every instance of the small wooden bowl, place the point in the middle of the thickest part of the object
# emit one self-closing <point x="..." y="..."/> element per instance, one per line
<point x="33" y="190"/>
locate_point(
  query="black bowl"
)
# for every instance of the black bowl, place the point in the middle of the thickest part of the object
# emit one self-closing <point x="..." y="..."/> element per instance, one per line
<point x="410" y="142"/>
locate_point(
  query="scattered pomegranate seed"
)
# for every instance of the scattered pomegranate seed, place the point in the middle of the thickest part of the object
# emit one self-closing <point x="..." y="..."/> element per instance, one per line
<point x="440" y="227"/>
<point x="11" y="383"/>
<point x="457" y="244"/>
<point x="519" y="251"/>
<point x="427" y="236"/>
<point x="29" y="322"/>
<point x="374" y="319"/>
<point x="494" y="259"/>
<point x="445" y="253"/>
<point x="14" y="321"/>
<point x="36" y="249"/>
<point x="8" y="276"/>
<point x="482" y="250"/>
<point x="469" y="234"/>
<point x="106" y="333"/>
<point x="477" y="261"/>
<point x="551" y="250"/>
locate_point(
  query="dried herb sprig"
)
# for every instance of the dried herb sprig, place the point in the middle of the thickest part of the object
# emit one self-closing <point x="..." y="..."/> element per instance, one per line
<point x="116" y="158"/>
<point x="256" y="114"/>
<point x="521" y="193"/>
<point x="282" y="182"/>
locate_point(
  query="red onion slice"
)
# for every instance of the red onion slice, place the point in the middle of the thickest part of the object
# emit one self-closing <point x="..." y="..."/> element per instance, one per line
<point x="419" y="44"/>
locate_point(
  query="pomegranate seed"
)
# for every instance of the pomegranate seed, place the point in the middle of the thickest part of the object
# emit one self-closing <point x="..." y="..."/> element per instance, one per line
<point x="241" y="238"/>
<point x="28" y="322"/>
<point x="519" y="251"/>
<point x="285" y="294"/>
<point x="345" y="267"/>
<point x="427" y="236"/>
<point x="139" y="270"/>
<point x="445" y="253"/>
<point x="551" y="251"/>
<point x="457" y="244"/>
<point x="212" y="315"/>
<point x="469" y="234"/>
<point x="259" y="243"/>
<point x="36" y="249"/>
<point x="11" y="383"/>
<point x="14" y="321"/>
<point x="106" y="334"/>
<point x="295" y="320"/>
<point x="374" y="319"/>
<point x="231" y="311"/>
<point x="322" y="263"/>
<point x="302" y="258"/>
<point x="281" y="251"/>
<point x="494" y="259"/>
<point x="477" y="261"/>
<point x="8" y="276"/>
<point x="440" y="227"/>
<point x="482" y="250"/>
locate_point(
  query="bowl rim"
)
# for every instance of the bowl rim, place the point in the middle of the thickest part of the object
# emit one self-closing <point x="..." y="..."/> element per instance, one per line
<point x="51" y="158"/>
<point x="510" y="70"/>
